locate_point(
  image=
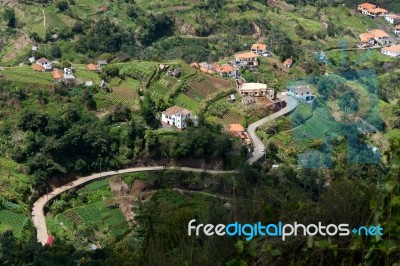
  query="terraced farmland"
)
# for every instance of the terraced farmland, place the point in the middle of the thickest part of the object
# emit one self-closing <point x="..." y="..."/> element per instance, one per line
<point x="230" y="117"/>
<point x="162" y="87"/>
<point x="97" y="215"/>
<point x="320" y="126"/>
<point x="12" y="220"/>
<point x="207" y="86"/>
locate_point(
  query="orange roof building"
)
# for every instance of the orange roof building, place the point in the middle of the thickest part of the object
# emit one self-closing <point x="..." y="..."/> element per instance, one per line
<point x="37" y="67"/>
<point x="393" y="51"/>
<point x="377" y="11"/>
<point x="288" y="62"/>
<point x="226" y="68"/>
<point x="366" y="6"/>
<point x="379" y="33"/>
<point x="258" y="48"/>
<point x="236" y="128"/>
<point x="246" y="55"/>
<point x="57" y="74"/>
<point x="92" y="67"/>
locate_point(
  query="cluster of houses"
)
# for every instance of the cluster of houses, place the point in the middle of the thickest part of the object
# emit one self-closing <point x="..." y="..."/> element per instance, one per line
<point x="379" y="37"/>
<point x="244" y="60"/>
<point x="67" y="74"/>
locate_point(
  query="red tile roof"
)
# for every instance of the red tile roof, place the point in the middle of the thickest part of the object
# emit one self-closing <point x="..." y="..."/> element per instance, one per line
<point x="43" y="60"/>
<point x="394" y="48"/>
<point x="57" y="74"/>
<point x="258" y="46"/>
<point x="288" y="61"/>
<point x="366" y="6"/>
<point x="226" y="68"/>
<point x="236" y="128"/>
<point x="174" y="110"/>
<point x="91" y="67"/>
<point x="246" y="55"/>
<point x="37" y="67"/>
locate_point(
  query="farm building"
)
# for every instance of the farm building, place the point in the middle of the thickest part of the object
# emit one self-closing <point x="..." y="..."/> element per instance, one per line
<point x="57" y="75"/>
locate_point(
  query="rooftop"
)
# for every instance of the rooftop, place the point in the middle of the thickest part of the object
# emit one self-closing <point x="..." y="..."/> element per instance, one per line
<point x="175" y="110"/>
<point x="366" y="6"/>
<point x="57" y="74"/>
<point x="258" y="46"/>
<point x="91" y="67"/>
<point x="394" y="48"/>
<point x="253" y="86"/>
<point x="288" y="61"/>
<point x="236" y="128"/>
<point x="43" y="60"/>
<point x="377" y="10"/>
<point x="379" y="33"/>
<point x="300" y="88"/>
<point x="246" y="55"/>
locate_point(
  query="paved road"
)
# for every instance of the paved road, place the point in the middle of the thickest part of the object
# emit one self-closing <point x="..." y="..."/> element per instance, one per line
<point x="38" y="216"/>
<point x="258" y="145"/>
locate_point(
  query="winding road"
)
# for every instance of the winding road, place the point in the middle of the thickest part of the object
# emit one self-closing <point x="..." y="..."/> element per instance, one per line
<point x="258" y="145"/>
<point x="38" y="216"/>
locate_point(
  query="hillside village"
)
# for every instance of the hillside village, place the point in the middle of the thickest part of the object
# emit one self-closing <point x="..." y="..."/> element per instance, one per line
<point x="121" y="121"/>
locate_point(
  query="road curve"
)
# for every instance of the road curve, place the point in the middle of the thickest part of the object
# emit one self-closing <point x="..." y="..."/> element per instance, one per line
<point x="258" y="145"/>
<point x="38" y="216"/>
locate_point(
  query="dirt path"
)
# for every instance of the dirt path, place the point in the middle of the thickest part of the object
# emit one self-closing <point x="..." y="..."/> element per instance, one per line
<point x="38" y="216"/>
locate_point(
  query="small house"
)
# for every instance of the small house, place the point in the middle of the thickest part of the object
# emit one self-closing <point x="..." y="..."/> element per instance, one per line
<point x="231" y="98"/>
<point x="259" y="48"/>
<point x="45" y="64"/>
<point x="377" y="12"/>
<point x="177" y="116"/>
<point x="246" y="59"/>
<point x="364" y="7"/>
<point x="163" y="67"/>
<point x="35" y="47"/>
<point x="393" y="19"/>
<point x="31" y="59"/>
<point x="288" y="63"/>
<point x="89" y="83"/>
<point x="68" y="75"/>
<point x="227" y="70"/>
<point x="101" y="64"/>
<point x="238" y="131"/>
<point x="301" y="92"/>
<point x="397" y="30"/>
<point x="393" y="51"/>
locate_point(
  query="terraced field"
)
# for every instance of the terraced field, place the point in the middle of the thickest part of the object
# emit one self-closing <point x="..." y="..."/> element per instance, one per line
<point x="320" y="126"/>
<point x="162" y="87"/>
<point x="207" y="86"/>
<point x="15" y="221"/>
<point x="230" y="117"/>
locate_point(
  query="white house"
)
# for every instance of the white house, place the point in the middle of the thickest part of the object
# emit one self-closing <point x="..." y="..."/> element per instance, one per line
<point x="393" y="19"/>
<point x="393" y="51"/>
<point x="259" y="48"/>
<point x="397" y="30"/>
<point x="227" y="70"/>
<point x="177" y="116"/>
<point x="246" y="59"/>
<point x="301" y="92"/>
<point x="377" y="12"/>
<point x="45" y="63"/>
<point x="364" y="7"/>
<point x="68" y="75"/>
